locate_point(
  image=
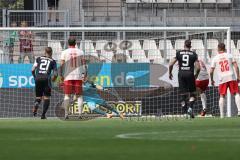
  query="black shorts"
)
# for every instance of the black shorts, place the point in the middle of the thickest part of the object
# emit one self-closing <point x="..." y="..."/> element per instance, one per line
<point x="42" y="88"/>
<point x="186" y="82"/>
<point x="53" y="3"/>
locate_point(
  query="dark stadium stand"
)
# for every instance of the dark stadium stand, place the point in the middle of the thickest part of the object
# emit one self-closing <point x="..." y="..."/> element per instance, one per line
<point x="180" y="1"/>
<point x="139" y="13"/>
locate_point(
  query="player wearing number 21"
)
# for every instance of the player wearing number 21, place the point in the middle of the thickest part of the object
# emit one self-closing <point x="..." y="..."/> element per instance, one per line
<point x="44" y="71"/>
<point x="73" y="72"/>
<point x="224" y="63"/>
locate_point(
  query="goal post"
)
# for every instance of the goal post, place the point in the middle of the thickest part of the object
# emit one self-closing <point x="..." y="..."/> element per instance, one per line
<point x="131" y="61"/>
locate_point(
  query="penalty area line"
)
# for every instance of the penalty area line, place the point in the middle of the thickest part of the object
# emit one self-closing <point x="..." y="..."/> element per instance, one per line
<point x="179" y="136"/>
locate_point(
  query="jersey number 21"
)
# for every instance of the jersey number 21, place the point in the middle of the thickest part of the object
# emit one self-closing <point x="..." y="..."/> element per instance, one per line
<point x="44" y="65"/>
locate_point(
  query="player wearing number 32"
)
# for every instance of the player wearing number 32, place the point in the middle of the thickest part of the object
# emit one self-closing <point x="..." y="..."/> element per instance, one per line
<point x="224" y="63"/>
<point x="187" y="61"/>
<point x="73" y="72"/>
<point x="42" y="70"/>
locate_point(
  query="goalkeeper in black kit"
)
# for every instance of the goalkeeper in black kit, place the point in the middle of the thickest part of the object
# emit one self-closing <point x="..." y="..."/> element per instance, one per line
<point x="44" y="71"/>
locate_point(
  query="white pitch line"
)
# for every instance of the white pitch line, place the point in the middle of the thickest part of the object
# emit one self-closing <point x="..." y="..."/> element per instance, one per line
<point x="40" y="139"/>
<point x="134" y="135"/>
<point x="174" y="137"/>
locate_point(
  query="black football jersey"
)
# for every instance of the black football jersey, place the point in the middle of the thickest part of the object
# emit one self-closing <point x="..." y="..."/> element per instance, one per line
<point x="186" y="60"/>
<point x="45" y="67"/>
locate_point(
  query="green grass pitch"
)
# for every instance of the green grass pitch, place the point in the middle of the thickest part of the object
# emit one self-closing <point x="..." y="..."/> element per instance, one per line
<point x="103" y="139"/>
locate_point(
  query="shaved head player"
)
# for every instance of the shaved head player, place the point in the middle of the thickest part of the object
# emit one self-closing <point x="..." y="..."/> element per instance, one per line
<point x="188" y="61"/>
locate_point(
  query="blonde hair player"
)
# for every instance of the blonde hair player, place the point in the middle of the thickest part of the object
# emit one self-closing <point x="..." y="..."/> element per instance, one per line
<point x="224" y="64"/>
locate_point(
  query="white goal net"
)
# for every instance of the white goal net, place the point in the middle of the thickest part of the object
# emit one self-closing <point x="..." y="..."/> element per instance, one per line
<point x="131" y="61"/>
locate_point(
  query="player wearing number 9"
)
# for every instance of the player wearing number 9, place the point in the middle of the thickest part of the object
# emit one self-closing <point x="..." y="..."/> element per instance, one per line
<point x="42" y="70"/>
<point x="188" y="61"/>
<point x="224" y="63"/>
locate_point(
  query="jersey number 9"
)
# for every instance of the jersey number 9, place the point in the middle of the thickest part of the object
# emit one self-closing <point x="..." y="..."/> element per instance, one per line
<point x="185" y="59"/>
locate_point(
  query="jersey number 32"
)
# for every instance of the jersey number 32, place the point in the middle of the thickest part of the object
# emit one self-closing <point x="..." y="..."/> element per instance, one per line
<point x="224" y="65"/>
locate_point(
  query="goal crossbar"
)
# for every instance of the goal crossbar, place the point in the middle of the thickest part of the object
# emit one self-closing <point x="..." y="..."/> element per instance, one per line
<point x="121" y="29"/>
